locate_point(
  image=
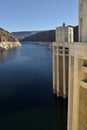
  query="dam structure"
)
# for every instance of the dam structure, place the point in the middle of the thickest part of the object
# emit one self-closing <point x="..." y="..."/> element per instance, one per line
<point x="77" y="97"/>
<point x="70" y="73"/>
<point x="64" y="35"/>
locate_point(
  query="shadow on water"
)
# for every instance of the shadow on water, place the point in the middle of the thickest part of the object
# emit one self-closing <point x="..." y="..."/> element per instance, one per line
<point x="36" y="116"/>
<point x="60" y="106"/>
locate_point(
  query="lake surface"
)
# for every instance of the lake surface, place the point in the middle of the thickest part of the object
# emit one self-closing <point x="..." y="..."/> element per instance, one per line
<point x="26" y="97"/>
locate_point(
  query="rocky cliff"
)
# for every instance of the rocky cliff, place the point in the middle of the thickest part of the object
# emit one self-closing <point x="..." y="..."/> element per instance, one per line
<point x="7" y="40"/>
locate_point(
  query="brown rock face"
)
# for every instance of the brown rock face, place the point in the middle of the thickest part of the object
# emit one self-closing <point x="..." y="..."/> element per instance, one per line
<point x="7" y="40"/>
<point x="5" y="36"/>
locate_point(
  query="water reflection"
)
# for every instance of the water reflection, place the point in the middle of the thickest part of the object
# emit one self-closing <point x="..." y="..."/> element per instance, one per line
<point x="6" y="55"/>
<point x="60" y="106"/>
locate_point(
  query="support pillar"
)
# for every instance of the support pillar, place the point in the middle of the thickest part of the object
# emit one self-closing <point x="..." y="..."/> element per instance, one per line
<point x="54" y="90"/>
<point x="64" y="75"/>
<point x="75" y="96"/>
<point x="57" y="72"/>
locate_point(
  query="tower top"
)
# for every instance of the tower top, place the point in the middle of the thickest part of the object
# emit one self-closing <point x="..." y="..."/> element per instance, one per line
<point x="64" y="24"/>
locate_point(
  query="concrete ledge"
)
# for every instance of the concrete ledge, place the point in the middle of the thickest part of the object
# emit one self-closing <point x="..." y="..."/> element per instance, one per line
<point x="84" y="69"/>
<point x="84" y="84"/>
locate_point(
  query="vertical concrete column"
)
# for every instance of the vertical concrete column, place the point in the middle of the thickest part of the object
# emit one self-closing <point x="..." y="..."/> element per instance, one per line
<point x="53" y="69"/>
<point x="57" y="70"/>
<point x="69" y="119"/>
<point x="64" y="75"/>
<point x="75" y="96"/>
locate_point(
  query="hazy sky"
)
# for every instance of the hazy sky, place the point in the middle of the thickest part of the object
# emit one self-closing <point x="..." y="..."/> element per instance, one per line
<point x="27" y="15"/>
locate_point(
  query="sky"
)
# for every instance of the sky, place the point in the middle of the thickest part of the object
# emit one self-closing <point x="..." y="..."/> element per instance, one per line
<point x="31" y="15"/>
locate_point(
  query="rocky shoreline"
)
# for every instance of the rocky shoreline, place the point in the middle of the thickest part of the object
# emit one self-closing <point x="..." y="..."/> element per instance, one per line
<point x="9" y="45"/>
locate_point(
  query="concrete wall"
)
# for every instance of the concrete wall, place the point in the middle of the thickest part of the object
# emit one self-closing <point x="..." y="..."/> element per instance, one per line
<point x="83" y="20"/>
<point x="77" y="101"/>
<point x="70" y="76"/>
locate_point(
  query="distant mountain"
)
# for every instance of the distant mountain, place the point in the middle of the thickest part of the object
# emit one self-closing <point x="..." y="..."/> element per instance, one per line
<point x="37" y="36"/>
<point x="22" y="34"/>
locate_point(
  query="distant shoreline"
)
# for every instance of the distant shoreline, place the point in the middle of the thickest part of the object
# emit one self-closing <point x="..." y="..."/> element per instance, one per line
<point x="40" y="43"/>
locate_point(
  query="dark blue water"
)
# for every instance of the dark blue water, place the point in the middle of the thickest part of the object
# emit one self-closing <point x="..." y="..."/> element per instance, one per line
<point x="26" y="98"/>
